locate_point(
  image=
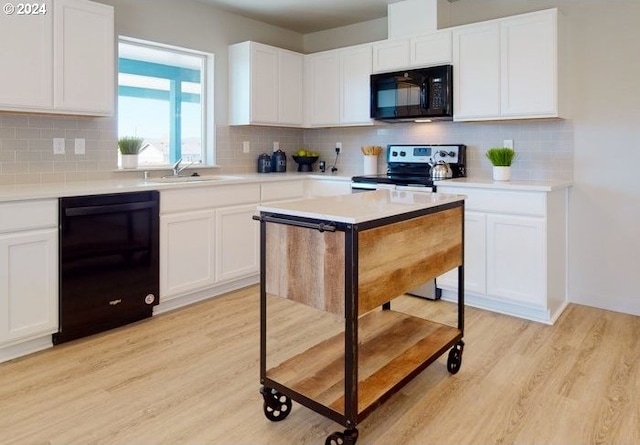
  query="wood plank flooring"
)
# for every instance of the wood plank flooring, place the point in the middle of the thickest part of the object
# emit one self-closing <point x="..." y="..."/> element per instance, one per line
<point x="192" y="377"/>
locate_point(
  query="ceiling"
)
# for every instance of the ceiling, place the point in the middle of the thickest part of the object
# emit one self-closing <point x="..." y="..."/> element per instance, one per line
<point x="306" y="16"/>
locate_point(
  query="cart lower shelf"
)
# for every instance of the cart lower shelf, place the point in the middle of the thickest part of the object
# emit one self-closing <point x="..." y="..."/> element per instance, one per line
<point x="393" y="348"/>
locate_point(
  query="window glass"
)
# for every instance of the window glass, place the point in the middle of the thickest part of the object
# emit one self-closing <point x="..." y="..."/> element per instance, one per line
<point x="162" y="98"/>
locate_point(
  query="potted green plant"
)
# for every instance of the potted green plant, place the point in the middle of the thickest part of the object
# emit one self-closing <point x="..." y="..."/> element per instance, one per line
<point x="130" y="147"/>
<point x="501" y="158"/>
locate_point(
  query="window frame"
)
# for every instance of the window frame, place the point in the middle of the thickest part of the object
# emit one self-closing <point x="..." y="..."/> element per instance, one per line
<point x="207" y="94"/>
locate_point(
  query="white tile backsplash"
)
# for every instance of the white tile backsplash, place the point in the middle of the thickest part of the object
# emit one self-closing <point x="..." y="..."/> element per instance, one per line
<point x="545" y="148"/>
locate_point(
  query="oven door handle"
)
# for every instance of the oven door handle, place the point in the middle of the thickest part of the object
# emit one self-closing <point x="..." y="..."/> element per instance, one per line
<point x="109" y="208"/>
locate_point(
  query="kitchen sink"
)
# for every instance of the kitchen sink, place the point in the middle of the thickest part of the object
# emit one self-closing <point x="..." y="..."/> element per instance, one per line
<point x="174" y="179"/>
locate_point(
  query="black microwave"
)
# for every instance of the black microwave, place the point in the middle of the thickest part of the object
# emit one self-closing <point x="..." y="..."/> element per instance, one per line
<point x="424" y="93"/>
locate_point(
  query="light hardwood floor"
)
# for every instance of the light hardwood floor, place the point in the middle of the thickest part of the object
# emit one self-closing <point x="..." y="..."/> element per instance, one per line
<point x="192" y="377"/>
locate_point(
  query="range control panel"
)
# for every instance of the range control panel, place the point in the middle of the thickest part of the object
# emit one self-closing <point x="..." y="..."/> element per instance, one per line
<point x="423" y="154"/>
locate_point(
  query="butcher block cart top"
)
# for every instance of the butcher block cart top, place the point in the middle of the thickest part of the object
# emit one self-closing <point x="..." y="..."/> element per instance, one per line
<point x="346" y="258"/>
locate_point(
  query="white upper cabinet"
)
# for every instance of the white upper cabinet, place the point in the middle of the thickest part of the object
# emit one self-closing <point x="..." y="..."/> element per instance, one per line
<point x="529" y="70"/>
<point x="60" y="61"/>
<point x="419" y="51"/>
<point x="84" y="67"/>
<point x="290" y="88"/>
<point x="26" y="51"/>
<point x="265" y="85"/>
<point x="391" y="55"/>
<point x="508" y="68"/>
<point x="322" y="78"/>
<point x="337" y="87"/>
<point x="431" y="49"/>
<point x="355" y="74"/>
<point x="476" y="71"/>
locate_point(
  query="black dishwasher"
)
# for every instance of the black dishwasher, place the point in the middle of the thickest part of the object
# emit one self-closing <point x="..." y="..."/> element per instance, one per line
<point x="109" y="261"/>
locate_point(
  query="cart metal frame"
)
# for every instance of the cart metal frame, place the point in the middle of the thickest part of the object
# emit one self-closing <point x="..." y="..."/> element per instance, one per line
<point x="277" y="396"/>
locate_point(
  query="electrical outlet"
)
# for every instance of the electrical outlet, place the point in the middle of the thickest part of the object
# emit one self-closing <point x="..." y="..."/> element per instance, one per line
<point x="58" y="146"/>
<point x="338" y="146"/>
<point x="246" y="147"/>
<point x="79" y="146"/>
<point x="337" y="150"/>
<point x="507" y="143"/>
<point x="276" y="146"/>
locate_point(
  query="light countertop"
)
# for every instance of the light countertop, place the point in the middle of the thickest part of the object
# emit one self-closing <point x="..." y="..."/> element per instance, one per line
<point x="489" y="183"/>
<point x="77" y="188"/>
<point x="361" y="207"/>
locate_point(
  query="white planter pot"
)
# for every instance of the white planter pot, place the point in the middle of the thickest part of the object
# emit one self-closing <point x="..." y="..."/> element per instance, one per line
<point x="129" y="161"/>
<point x="370" y="165"/>
<point x="501" y="173"/>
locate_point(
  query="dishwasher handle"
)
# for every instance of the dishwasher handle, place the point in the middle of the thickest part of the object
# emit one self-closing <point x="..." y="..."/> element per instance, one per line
<point x="108" y="208"/>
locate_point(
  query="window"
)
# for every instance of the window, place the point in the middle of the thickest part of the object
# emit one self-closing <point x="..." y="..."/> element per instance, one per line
<point x="164" y="98"/>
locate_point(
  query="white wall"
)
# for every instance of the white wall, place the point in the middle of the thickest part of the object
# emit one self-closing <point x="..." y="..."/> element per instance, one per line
<point x="605" y="202"/>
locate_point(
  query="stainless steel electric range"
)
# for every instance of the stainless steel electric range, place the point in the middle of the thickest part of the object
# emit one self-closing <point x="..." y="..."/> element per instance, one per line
<point x="410" y="166"/>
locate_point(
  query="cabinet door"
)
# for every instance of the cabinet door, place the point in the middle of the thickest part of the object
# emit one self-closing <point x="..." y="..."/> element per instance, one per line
<point x="476" y="74"/>
<point x="431" y="49"/>
<point x="264" y="84"/>
<point x="187" y="252"/>
<point x="290" y="78"/>
<point x="529" y="68"/>
<point x="237" y="241"/>
<point x="391" y="55"/>
<point x="322" y="73"/>
<point x="28" y="306"/>
<point x="516" y="258"/>
<point x="84" y="61"/>
<point x="355" y="72"/>
<point x="475" y="227"/>
<point x="327" y="187"/>
<point x="26" y="50"/>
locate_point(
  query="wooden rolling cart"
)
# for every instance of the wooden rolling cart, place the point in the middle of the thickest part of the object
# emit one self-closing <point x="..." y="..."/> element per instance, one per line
<point x="353" y="264"/>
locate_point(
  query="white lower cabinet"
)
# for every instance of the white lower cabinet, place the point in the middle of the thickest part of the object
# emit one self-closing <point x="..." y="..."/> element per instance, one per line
<point x="515" y="252"/>
<point x="187" y="252"/>
<point x="28" y="306"/>
<point x="207" y="241"/>
<point x="28" y="276"/>
<point x="516" y="259"/>
<point x="327" y="187"/>
<point x="237" y="241"/>
<point x="475" y="247"/>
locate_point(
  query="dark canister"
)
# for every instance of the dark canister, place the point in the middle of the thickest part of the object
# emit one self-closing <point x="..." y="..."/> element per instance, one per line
<point x="264" y="163"/>
<point x="278" y="161"/>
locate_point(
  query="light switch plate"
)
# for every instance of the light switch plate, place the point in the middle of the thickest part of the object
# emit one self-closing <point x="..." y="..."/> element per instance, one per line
<point x="507" y="143"/>
<point x="79" y="146"/>
<point x="58" y="146"/>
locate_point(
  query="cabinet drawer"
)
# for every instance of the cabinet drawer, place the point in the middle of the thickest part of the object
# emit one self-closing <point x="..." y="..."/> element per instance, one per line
<point x="208" y="197"/>
<point x="276" y="191"/>
<point x="26" y="215"/>
<point x="501" y="201"/>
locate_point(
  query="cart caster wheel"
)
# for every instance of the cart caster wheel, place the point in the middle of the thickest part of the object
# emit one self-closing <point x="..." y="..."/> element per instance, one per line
<point x="349" y="437"/>
<point x="455" y="359"/>
<point x="276" y="406"/>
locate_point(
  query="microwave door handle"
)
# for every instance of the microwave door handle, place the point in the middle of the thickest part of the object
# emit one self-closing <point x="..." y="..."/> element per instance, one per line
<point x="424" y="94"/>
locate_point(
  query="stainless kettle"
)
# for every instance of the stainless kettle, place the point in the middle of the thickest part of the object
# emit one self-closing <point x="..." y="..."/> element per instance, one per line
<point x="440" y="170"/>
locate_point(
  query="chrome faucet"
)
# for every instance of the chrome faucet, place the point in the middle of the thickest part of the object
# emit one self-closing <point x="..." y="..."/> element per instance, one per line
<point x="177" y="168"/>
